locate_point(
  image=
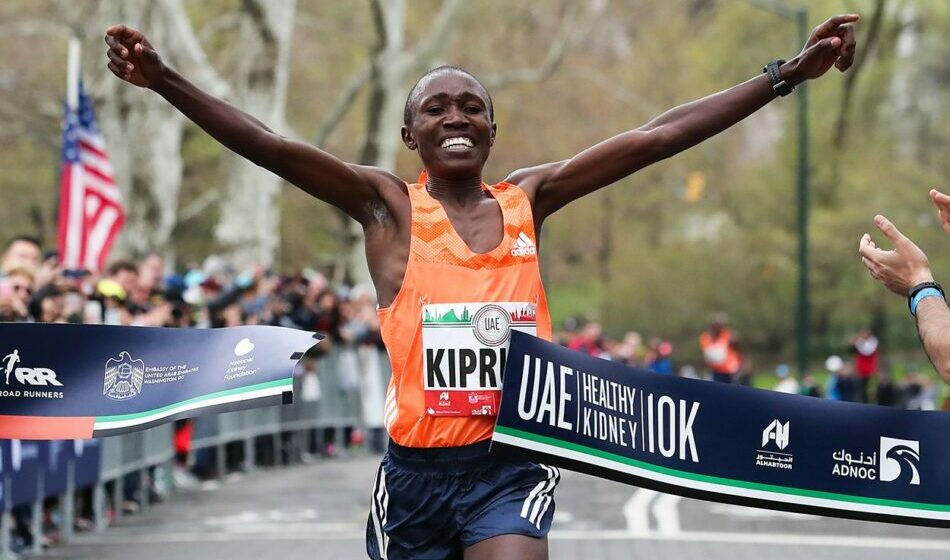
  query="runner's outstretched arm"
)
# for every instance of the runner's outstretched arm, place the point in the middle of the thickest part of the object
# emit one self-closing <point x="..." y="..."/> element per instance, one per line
<point x="554" y="185"/>
<point x="350" y="187"/>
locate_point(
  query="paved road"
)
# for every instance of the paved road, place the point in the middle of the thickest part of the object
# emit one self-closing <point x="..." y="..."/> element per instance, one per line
<point x="318" y="511"/>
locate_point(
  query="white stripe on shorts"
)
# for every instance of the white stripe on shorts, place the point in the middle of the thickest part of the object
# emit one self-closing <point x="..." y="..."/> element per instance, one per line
<point x="532" y="504"/>
<point x="378" y="511"/>
<point x="548" y="498"/>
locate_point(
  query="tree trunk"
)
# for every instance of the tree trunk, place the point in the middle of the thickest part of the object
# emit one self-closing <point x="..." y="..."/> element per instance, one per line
<point x="143" y="134"/>
<point x="249" y="227"/>
<point x="143" y="131"/>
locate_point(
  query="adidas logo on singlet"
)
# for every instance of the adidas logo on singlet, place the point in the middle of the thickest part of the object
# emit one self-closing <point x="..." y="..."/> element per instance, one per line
<point x="523" y="246"/>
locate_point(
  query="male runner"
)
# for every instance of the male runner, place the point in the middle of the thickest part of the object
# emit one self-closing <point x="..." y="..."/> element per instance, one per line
<point x="454" y="262"/>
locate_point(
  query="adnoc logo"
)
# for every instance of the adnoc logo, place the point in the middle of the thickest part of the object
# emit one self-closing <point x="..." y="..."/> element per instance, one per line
<point x="900" y="459"/>
<point x="124" y="377"/>
<point x="895" y="460"/>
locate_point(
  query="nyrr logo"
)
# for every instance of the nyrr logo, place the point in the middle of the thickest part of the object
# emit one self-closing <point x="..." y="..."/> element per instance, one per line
<point x="124" y="377"/>
<point x="25" y="375"/>
<point x="900" y="459"/>
<point x="777" y="432"/>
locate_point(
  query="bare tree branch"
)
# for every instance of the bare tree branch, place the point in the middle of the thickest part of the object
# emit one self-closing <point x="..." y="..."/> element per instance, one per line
<point x="427" y="49"/>
<point x="344" y="102"/>
<point x="34" y="28"/>
<point x="552" y="58"/>
<point x="217" y="25"/>
<point x="866" y="50"/>
<point x="190" y="47"/>
<point x="644" y="106"/>
<point x="311" y="22"/>
<point x="199" y="205"/>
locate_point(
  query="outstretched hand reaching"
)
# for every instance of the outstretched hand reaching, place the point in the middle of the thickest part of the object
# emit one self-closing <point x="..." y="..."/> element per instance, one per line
<point x="942" y="202"/>
<point x="901" y="268"/>
<point x="831" y="44"/>
<point x="132" y="58"/>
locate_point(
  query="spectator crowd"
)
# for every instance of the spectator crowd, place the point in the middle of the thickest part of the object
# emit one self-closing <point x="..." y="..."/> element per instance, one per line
<point x="34" y="288"/>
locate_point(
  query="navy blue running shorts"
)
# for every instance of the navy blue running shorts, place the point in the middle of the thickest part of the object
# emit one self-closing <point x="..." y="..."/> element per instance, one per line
<point x="433" y="503"/>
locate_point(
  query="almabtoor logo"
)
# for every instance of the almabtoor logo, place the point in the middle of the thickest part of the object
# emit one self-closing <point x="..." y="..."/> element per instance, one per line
<point x="124" y="377"/>
<point x="900" y="459"/>
<point x="777" y="432"/>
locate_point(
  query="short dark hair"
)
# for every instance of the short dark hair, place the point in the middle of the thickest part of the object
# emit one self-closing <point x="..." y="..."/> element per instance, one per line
<point x="24" y="238"/>
<point x="122" y="266"/>
<point x="414" y="92"/>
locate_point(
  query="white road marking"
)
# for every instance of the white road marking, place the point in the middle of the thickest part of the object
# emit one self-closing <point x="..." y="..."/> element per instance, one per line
<point x="666" y="512"/>
<point x="797" y="540"/>
<point x="637" y="512"/>
<point x="757" y="513"/>
<point x="351" y="531"/>
<point x="561" y="516"/>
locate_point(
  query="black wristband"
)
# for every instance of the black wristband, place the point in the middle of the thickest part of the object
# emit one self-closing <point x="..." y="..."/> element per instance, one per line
<point x="779" y="85"/>
<point x="913" y="291"/>
<point x="922" y="286"/>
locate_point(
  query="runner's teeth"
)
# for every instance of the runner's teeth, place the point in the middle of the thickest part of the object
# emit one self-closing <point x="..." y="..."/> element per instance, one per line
<point x="459" y="143"/>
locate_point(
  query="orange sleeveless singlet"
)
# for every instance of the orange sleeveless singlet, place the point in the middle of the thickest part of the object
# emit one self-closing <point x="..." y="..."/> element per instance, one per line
<point x="447" y="329"/>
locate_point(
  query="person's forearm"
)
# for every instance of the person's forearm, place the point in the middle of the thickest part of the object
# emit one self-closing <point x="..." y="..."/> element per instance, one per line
<point x="694" y="122"/>
<point x="235" y="129"/>
<point x="933" y="325"/>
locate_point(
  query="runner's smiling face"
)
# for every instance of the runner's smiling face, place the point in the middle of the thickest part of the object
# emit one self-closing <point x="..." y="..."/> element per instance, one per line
<point x="450" y="125"/>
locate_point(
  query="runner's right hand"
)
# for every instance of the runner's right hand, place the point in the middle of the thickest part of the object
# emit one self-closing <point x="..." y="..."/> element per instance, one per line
<point x="132" y="58"/>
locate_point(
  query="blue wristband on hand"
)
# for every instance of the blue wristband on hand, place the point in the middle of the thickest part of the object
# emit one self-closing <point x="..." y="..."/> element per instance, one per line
<point x="919" y="296"/>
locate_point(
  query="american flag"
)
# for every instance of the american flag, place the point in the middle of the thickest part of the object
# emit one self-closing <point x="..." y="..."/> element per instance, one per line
<point x="90" y="210"/>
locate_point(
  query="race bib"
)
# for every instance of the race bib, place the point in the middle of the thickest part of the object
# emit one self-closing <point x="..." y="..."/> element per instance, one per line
<point x="464" y="347"/>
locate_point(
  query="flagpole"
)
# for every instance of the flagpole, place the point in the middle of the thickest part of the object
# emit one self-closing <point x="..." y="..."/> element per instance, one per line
<point x="72" y="73"/>
<point x="69" y="231"/>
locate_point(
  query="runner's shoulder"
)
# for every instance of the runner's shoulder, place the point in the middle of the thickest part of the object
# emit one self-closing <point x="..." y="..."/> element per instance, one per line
<point x="530" y="179"/>
<point x="383" y="181"/>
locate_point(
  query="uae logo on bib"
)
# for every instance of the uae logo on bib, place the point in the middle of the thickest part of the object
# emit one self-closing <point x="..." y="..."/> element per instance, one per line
<point x="124" y="377"/>
<point x="492" y="325"/>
